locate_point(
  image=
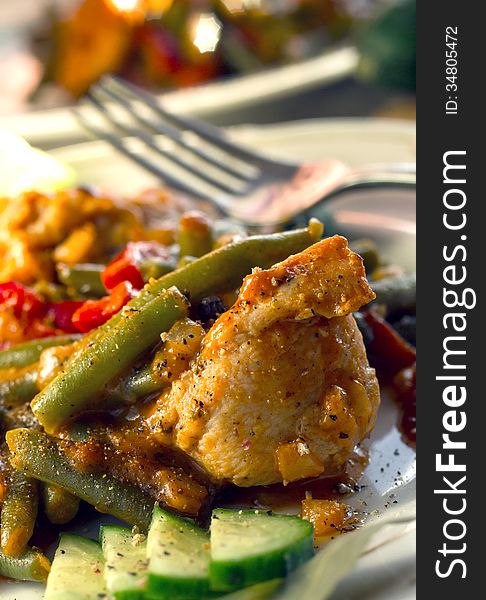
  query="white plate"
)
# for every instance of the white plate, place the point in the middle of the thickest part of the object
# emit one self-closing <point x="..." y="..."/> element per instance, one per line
<point x="386" y="571"/>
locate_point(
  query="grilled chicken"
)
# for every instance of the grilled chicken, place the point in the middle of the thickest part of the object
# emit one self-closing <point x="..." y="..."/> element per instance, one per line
<point x="281" y="389"/>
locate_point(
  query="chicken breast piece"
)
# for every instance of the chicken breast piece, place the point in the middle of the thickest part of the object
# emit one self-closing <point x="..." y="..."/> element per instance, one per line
<point x="282" y="389"/>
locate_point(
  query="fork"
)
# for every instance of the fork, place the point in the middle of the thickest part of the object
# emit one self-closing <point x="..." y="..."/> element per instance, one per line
<point x="203" y="161"/>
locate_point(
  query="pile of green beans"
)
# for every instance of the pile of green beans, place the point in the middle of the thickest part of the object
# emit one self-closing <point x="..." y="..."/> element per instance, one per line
<point x="117" y="346"/>
<point x="39" y="456"/>
<point x="19" y="369"/>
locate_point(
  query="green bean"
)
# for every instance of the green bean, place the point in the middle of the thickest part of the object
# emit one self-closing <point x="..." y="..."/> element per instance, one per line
<point x="19" y="512"/>
<point x="22" y="355"/>
<point x="84" y="279"/>
<point x="60" y="506"/>
<point x="138" y="384"/>
<point x="153" y="269"/>
<point x="41" y="457"/>
<point x="141" y="382"/>
<point x="77" y="388"/>
<point x="31" y="566"/>
<point x="181" y="343"/>
<point x="195" y="234"/>
<point x="18" y="386"/>
<point x="223" y="269"/>
<point x="368" y="251"/>
<point x="396" y="293"/>
<point x="185" y="260"/>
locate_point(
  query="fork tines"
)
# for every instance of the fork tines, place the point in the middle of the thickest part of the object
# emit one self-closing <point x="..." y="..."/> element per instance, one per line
<point x="189" y="155"/>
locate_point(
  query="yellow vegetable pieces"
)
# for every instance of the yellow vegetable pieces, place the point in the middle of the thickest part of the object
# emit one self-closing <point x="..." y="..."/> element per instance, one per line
<point x="328" y="516"/>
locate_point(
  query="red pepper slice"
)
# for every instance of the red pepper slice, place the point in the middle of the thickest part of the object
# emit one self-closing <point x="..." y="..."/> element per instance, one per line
<point x="22" y="300"/>
<point x="62" y="314"/>
<point x="126" y="266"/>
<point x="394" y="356"/>
<point x="39" y="329"/>
<point x="94" y="313"/>
<point x="388" y="350"/>
<point x="120" y="270"/>
<point x="12" y="296"/>
<point x="404" y="384"/>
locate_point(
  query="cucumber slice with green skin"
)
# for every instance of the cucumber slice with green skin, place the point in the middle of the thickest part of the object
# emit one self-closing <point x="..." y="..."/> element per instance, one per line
<point x="251" y="546"/>
<point x="178" y="554"/>
<point x="126" y="562"/>
<point x="76" y="571"/>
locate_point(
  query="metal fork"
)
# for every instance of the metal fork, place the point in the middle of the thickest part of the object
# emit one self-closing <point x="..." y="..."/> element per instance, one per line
<point x="201" y="160"/>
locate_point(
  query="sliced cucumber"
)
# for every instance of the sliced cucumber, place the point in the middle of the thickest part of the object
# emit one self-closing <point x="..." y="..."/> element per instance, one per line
<point x="125" y="562"/>
<point x="251" y="546"/>
<point x="178" y="554"/>
<point x="77" y="570"/>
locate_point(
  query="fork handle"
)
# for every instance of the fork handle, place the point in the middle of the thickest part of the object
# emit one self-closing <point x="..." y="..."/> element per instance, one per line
<point x="393" y="174"/>
<point x="396" y="176"/>
<point x="400" y="175"/>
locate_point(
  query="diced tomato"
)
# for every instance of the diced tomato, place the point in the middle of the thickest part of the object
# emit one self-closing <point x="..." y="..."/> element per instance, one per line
<point x="122" y="278"/>
<point x="94" y="313"/>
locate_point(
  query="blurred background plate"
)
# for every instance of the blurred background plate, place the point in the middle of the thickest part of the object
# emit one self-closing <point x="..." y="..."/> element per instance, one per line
<point x="233" y="97"/>
<point x="337" y="58"/>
